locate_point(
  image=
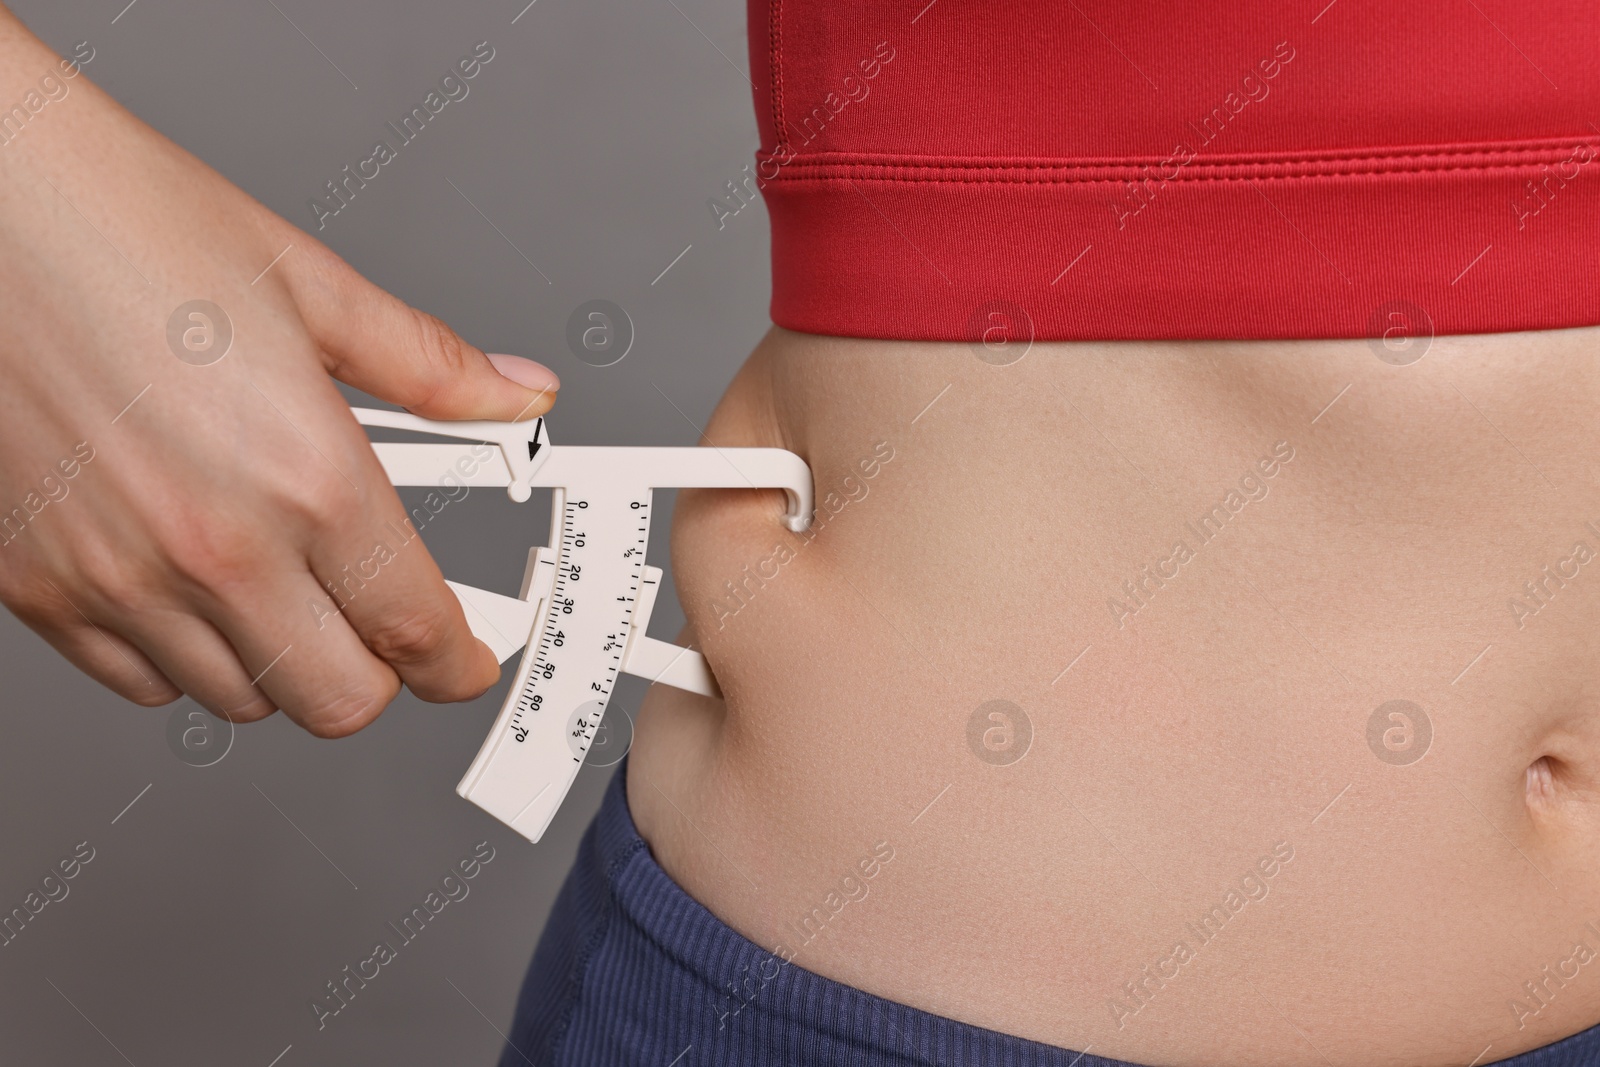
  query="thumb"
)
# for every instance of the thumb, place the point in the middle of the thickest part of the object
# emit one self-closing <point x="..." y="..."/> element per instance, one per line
<point x="383" y="346"/>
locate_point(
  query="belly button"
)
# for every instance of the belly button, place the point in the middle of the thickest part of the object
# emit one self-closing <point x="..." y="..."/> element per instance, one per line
<point x="1542" y="778"/>
<point x="1561" y="788"/>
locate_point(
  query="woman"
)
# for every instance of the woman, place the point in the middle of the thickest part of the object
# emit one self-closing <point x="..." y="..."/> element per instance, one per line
<point x="1208" y="682"/>
<point x="1188" y="661"/>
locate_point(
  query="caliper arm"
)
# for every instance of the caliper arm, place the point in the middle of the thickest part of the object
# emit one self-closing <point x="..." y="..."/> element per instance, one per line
<point x="524" y="459"/>
<point x="495" y="619"/>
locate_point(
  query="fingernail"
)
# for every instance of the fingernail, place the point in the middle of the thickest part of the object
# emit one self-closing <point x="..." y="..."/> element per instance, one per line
<point x="525" y="372"/>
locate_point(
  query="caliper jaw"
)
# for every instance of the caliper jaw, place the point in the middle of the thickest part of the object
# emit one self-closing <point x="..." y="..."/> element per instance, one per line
<point x="524" y="446"/>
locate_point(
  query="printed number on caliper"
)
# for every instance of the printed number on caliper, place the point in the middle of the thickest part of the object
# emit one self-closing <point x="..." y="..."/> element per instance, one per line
<point x="586" y="597"/>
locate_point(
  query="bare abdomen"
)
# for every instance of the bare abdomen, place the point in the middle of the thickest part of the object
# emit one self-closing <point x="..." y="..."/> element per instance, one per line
<point x="1197" y="702"/>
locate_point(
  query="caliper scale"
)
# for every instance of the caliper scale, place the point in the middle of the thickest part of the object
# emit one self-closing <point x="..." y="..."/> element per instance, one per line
<point x="586" y="597"/>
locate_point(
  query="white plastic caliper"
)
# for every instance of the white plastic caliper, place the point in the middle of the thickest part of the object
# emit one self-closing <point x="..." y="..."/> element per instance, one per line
<point x="586" y="598"/>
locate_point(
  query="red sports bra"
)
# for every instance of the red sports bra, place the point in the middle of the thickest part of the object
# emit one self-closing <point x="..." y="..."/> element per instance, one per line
<point x="1248" y="169"/>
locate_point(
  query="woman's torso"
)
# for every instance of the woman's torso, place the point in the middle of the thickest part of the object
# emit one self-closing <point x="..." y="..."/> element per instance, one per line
<point x="1196" y="574"/>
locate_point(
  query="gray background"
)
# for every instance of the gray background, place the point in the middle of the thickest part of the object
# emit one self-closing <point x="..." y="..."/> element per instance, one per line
<point x="207" y="921"/>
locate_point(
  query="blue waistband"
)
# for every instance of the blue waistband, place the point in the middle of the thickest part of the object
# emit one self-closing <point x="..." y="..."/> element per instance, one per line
<point x="631" y="970"/>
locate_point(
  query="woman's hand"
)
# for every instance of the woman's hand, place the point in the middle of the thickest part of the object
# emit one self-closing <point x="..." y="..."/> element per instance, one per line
<point x="174" y="522"/>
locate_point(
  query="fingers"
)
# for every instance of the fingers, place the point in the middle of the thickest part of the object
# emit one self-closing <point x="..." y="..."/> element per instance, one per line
<point x="303" y="655"/>
<point x="201" y="662"/>
<point x="109" y="659"/>
<point x="392" y="595"/>
<point x="382" y="346"/>
<point x="278" y="643"/>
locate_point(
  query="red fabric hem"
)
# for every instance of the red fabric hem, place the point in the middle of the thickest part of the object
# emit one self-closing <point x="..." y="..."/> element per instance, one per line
<point x="1463" y="238"/>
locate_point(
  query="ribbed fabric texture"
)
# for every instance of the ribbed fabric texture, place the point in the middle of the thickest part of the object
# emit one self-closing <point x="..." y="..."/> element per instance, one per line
<point x="1248" y="169"/>
<point x="633" y="972"/>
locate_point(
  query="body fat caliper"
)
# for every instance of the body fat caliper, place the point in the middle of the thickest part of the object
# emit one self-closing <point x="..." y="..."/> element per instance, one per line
<point x="586" y="597"/>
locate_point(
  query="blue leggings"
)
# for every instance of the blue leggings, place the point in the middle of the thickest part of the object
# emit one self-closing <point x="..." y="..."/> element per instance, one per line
<point x="633" y="972"/>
